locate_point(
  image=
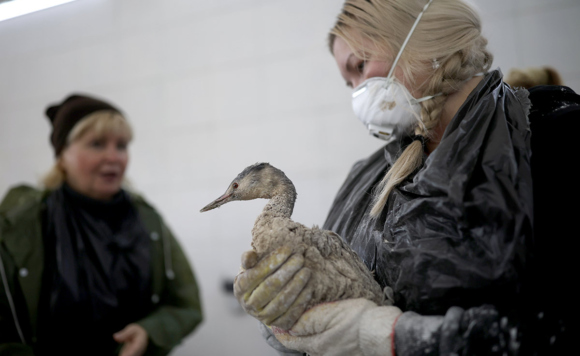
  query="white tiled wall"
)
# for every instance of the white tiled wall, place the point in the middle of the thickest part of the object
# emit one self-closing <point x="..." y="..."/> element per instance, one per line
<point x="211" y="87"/>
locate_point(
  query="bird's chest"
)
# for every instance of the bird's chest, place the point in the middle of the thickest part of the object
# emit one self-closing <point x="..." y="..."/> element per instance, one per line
<point x="269" y="234"/>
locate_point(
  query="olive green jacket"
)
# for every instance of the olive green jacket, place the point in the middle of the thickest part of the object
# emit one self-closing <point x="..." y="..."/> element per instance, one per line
<point x="174" y="289"/>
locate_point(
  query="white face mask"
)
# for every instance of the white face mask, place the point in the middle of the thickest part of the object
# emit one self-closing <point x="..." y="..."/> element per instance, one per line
<point x="386" y="108"/>
<point x="385" y="105"/>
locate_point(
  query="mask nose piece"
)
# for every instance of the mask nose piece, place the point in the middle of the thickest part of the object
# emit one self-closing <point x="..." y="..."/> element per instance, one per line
<point x="359" y="91"/>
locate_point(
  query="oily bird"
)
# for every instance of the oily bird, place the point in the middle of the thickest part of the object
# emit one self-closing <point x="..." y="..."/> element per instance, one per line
<point x="337" y="272"/>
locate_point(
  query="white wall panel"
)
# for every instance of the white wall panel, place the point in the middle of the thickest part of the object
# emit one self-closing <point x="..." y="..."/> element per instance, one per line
<point x="551" y="36"/>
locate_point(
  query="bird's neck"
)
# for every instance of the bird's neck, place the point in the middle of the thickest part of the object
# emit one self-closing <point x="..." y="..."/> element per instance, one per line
<point x="282" y="202"/>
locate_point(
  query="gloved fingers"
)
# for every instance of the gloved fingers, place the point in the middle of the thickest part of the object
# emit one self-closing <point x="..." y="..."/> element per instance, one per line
<point x="325" y="316"/>
<point x="289" y="305"/>
<point x="271" y="340"/>
<point x="326" y="328"/>
<point x="292" y="295"/>
<point x="306" y="343"/>
<point x="347" y="327"/>
<point x="246" y="281"/>
<point x="272" y="285"/>
<point x="249" y="259"/>
<point x="317" y="319"/>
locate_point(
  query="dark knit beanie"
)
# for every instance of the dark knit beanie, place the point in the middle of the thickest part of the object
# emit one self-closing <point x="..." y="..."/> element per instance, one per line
<point x="67" y="114"/>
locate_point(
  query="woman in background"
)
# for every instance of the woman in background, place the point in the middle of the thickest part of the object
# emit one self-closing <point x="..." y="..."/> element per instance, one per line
<point x="472" y="256"/>
<point x="533" y="76"/>
<point x="86" y="267"/>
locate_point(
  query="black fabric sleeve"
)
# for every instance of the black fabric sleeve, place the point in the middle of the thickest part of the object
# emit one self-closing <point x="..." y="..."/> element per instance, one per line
<point x="475" y="331"/>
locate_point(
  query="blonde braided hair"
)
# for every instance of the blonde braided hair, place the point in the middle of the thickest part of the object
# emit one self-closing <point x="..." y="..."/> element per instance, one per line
<point x="449" y="32"/>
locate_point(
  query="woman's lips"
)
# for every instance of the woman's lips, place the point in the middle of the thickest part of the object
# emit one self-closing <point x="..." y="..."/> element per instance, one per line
<point x="110" y="176"/>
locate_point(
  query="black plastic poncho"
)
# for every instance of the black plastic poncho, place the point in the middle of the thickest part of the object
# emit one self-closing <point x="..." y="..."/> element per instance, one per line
<point x="455" y="232"/>
<point x="532" y="316"/>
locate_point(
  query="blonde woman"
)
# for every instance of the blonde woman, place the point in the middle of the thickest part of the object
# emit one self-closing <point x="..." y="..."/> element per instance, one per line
<point x="86" y="267"/>
<point x="444" y="213"/>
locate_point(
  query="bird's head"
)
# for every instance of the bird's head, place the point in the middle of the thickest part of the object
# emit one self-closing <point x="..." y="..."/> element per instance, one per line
<point x="260" y="180"/>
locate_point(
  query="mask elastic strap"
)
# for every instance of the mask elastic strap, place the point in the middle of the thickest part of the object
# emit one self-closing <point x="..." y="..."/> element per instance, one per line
<point x="425" y="98"/>
<point x="407" y="39"/>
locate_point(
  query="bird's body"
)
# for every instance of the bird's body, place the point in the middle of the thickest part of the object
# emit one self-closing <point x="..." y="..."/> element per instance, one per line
<point x="337" y="271"/>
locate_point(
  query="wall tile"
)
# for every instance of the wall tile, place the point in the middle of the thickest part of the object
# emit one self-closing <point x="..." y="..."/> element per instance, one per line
<point x="193" y="10"/>
<point x="529" y="6"/>
<point x="55" y="28"/>
<point x="572" y="80"/>
<point x="297" y="26"/>
<point x="302" y="82"/>
<point x="233" y="36"/>
<point x="187" y="100"/>
<point x="503" y="43"/>
<point x="238" y="95"/>
<point x="550" y="38"/>
<point x="185" y="46"/>
<point x="25" y="127"/>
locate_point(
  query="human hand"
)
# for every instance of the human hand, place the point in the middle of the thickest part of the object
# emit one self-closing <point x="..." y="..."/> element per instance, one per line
<point x="353" y="327"/>
<point x="134" y="338"/>
<point x="273" y="290"/>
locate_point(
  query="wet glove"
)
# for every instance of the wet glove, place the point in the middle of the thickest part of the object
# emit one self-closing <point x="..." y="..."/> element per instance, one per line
<point x="353" y="327"/>
<point x="273" y="290"/>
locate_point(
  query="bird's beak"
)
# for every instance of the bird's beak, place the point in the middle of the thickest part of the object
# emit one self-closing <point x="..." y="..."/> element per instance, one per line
<point x="218" y="202"/>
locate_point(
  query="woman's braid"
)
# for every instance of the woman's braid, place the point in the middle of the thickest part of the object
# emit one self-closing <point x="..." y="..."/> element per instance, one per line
<point x="448" y="79"/>
<point x="454" y="71"/>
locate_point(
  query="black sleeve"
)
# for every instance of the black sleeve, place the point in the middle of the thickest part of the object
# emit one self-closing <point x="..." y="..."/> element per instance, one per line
<point x="476" y="331"/>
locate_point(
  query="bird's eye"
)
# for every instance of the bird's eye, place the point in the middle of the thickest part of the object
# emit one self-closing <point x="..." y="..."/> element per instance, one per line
<point x="235" y="185"/>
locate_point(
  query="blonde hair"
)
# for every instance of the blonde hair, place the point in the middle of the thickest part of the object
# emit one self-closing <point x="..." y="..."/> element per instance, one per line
<point x="99" y="122"/>
<point x="530" y="77"/>
<point x="449" y="33"/>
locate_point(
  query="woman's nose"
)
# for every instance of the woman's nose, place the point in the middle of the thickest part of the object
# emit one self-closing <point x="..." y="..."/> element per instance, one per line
<point x="356" y="82"/>
<point x="112" y="153"/>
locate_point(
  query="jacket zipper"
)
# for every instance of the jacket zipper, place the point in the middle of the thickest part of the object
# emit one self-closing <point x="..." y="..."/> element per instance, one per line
<point x="10" y="301"/>
<point x="165" y="241"/>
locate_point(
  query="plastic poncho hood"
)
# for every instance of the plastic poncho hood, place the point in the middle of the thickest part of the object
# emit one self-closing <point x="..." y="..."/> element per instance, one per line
<point x="454" y="233"/>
